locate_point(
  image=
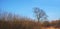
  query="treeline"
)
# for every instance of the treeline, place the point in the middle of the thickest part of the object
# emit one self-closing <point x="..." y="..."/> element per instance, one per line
<point x="55" y="24"/>
<point x="12" y="21"/>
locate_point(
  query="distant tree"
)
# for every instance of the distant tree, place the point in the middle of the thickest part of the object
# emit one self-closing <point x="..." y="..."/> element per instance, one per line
<point x="5" y="15"/>
<point x="59" y="18"/>
<point x="39" y="13"/>
<point x="55" y="23"/>
<point x="46" y="24"/>
<point x="9" y="16"/>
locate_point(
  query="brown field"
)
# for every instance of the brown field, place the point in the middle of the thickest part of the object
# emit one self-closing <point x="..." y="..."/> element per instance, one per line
<point x="23" y="24"/>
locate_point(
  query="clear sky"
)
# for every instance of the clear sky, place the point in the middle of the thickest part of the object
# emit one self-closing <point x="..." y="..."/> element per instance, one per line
<point x="25" y="7"/>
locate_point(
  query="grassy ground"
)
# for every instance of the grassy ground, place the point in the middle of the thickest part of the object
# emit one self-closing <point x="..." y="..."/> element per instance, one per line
<point x="18" y="24"/>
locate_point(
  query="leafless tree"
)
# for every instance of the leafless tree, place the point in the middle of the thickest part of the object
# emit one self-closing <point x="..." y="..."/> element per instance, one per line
<point x="39" y="13"/>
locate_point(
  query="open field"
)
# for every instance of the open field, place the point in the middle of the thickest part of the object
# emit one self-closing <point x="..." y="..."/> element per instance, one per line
<point x="18" y="24"/>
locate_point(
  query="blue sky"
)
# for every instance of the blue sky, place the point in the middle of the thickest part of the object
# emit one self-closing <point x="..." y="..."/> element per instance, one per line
<point x="25" y="7"/>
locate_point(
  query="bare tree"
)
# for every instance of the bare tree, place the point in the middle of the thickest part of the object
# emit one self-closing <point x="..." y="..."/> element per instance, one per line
<point x="39" y="13"/>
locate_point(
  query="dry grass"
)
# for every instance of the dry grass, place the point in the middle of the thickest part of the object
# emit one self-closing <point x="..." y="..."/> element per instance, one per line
<point x="22" y="24"/>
